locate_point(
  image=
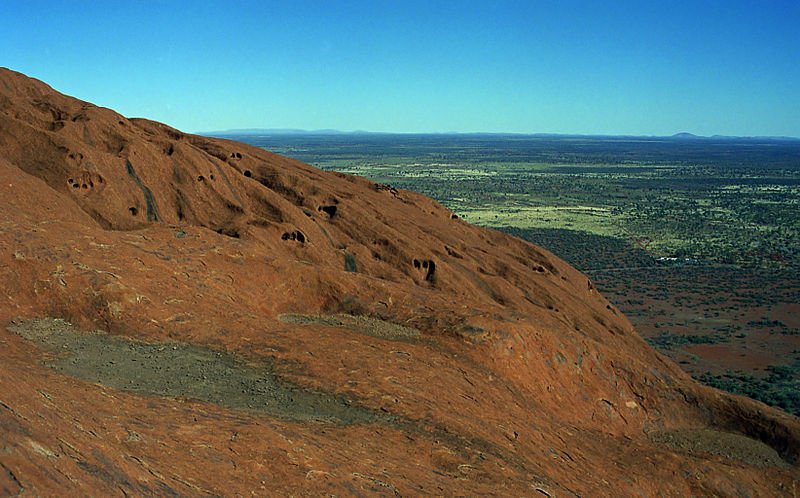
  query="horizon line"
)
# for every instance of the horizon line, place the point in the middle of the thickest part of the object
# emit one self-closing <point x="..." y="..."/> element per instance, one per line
<point x="333" y="131"/>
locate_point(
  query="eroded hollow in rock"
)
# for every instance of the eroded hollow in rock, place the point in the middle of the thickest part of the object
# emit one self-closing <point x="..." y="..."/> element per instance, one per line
<point x="453" y="252"/>
<point x="426" y="265"/>
<point x="330" y="210"/>
<point x="296" y="235"/>
<point x="431" y="270"/>
<point x="229" y="231"/>
<point x="85" y="180"/>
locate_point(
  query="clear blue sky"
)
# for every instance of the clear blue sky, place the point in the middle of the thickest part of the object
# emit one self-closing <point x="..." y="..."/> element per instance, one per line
<point x="601" y="67"/>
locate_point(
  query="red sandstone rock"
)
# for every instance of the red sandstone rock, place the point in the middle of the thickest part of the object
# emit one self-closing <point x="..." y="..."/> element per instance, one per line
<point x="523" y="380"/>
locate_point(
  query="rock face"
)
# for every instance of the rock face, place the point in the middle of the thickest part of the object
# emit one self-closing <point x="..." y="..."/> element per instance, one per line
<point x="267" y="327"/>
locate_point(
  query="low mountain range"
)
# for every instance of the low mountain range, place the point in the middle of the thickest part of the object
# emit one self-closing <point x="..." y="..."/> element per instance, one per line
<point x="328" y="131"/>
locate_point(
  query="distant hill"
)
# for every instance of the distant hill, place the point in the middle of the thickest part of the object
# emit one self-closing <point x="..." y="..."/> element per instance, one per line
<point x="685" y="136"/>
<point x="691" y="136"/>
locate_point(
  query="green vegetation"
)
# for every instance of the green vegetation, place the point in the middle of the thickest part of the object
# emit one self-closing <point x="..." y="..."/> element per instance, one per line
<point x="587" y="251"/>
<point x="780" y="388"/>
<point x="668" y="341"/>
<point x="696" y="241"/>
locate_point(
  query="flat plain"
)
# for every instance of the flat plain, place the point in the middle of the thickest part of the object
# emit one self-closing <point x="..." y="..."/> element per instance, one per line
<point x="697" y="241"/>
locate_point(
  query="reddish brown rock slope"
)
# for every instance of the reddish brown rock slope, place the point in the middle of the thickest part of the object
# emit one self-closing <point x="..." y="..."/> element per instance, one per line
<point x="509" y="375"/>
